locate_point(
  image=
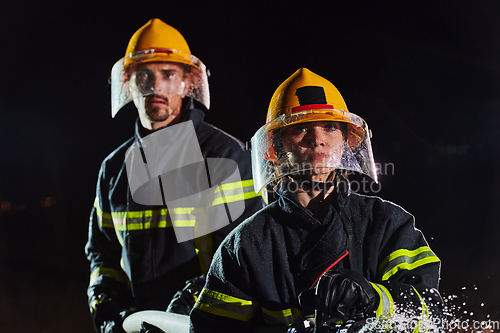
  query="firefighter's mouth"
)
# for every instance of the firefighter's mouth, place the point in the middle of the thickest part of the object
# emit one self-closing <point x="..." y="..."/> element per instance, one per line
<point x="155" y="99"/>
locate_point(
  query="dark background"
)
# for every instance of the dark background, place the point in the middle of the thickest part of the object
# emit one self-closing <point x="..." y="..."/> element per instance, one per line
<point x="425" y="76"/>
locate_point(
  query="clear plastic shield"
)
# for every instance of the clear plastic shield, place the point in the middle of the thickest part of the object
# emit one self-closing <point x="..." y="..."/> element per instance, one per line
<point x="133" y="82"/>
<point x="274" y="156"/>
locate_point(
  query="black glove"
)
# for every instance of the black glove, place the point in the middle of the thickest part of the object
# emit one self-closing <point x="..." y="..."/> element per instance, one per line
<point x="183" y="300"/>
<point x="109" y="316"/>
<point x="342" y="294"/>
<point x="305" y="325"/>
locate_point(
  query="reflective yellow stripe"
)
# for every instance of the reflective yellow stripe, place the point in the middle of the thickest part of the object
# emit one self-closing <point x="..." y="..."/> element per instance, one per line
<point x="183" y="216"/>
<point x="154" y="213"/>
<point x="108" y="272"/>
<point x="386" y="305"/>
<point x="409" y="266"/>
<point x="204" y="251"/>
<point x="425" y="312"/>
<point x="236" y="191"/>
<point x="406" y="260"/>
<point x="226" y="306"/>
<point x="284" y="317"/>
<point x="425" y="309"/>
<point x="234" y="185"/>
<point x="105" y="219"/>
<point x="148" y="219"/>
<point x="94" y="303"/>
<point x="404" y="252"/>
<point x="236" y="197"/>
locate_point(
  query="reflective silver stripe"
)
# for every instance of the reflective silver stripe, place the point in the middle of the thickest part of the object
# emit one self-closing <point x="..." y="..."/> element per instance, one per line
<point x="404" y="259"/>
<point x="386" y="305"/>
<point x="283" y="317"/>
<point x="226" y="306"/>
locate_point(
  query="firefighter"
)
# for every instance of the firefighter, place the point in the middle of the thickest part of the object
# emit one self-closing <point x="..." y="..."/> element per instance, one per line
<point x="136" y="260"/>
<point x="319" y="248"/>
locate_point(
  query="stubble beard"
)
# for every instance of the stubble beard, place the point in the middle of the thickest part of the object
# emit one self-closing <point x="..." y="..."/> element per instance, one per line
<point x="157" y="115"/>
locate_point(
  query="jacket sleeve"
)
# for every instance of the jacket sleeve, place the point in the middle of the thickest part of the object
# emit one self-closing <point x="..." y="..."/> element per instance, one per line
<point x="233" y="200"/>
<point x="108" y="281"/>
<point x="226" y="303"/>
<point x="408" y="272"/>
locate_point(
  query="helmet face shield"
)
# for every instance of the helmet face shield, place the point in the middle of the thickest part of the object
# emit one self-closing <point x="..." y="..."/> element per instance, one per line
<point x="159" y="72"/>
<point x="311" y="142"/>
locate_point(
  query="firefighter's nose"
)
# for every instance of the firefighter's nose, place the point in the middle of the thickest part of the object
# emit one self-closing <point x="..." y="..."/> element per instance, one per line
<point x="316" y="137"/>
<point x="156" y="84"/>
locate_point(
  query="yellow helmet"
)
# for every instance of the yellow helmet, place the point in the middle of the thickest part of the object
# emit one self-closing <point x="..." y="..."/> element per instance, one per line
<point x="157" y="41"/>
<point x="308" y="97"/>
<point x="306" y="91"/>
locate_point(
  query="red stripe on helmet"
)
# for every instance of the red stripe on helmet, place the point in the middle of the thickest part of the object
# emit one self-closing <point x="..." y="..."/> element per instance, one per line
<point x="312" y="107"/>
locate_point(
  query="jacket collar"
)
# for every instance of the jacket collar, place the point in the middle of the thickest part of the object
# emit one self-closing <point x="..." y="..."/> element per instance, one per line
<point x="287" y="189"/>
<point x="288" y="201"/>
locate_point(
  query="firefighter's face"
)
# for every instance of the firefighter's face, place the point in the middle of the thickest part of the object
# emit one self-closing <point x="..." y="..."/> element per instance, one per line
<point x="163" y="85"/>
<point x="316" y="145"/>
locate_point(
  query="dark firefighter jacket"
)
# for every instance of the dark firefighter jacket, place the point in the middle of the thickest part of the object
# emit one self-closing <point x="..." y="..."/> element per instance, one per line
<point x="268" y="260"/>
<point x="132" y="248"/>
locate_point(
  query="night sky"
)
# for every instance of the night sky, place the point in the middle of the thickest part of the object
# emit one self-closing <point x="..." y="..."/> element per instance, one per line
<point x="424" y="75"/>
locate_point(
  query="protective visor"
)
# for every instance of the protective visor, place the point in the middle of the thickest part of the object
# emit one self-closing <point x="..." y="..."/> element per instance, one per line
<point x="134" y="81"/>
<point x="274" y="155"/>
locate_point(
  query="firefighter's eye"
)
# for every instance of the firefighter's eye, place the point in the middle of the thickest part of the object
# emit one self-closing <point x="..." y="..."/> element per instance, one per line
<point x="331" y="126"/>
<point x="169" y="74"/>
<point x="142" y="76"/>
<point x="297" y="129"/>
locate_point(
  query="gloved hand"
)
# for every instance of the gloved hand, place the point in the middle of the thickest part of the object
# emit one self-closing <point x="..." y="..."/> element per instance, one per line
<point x="183" y="300"/>
<point x="109" y="316"/>
<point x="343" y="294"/>
<point x="304" y="325"/>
